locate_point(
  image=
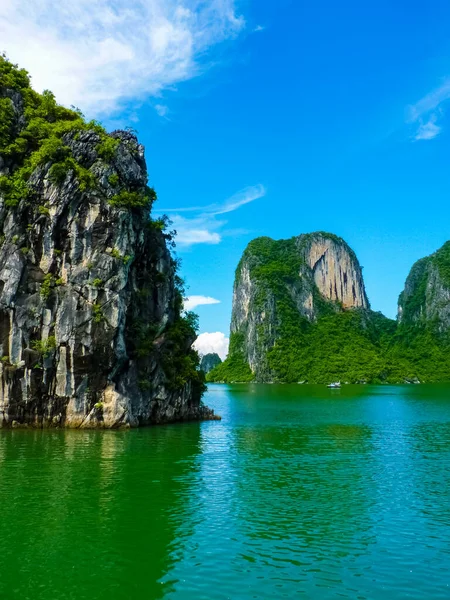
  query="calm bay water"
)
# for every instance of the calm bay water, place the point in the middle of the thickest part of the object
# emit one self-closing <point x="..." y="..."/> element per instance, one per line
<point x="298" y="492"/>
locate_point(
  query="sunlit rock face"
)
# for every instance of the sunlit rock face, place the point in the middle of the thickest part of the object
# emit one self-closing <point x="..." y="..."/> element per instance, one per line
<point x="316" y="272"/>
<point x="87" y="298"/>
<point x="336" y="271"/>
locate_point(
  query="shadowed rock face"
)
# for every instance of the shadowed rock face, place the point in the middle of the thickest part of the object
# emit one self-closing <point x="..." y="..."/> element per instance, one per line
<point x="317" y="272"/>
<point x="81" y="282"/>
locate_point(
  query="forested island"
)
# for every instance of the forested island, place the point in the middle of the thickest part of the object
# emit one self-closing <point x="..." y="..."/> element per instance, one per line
<point x="301" y="314"/>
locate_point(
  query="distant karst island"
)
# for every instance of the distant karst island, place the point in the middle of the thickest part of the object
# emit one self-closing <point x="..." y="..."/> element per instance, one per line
<point x="209" y="361"/>
<point x="301" y="314"/>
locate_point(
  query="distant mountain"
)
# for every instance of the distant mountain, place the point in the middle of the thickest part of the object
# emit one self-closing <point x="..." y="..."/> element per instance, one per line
<point x="301" y="313"/>
<point x="209" y="361"/>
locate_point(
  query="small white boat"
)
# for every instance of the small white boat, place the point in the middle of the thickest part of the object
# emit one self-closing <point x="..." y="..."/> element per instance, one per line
<point x="334" y="386"/>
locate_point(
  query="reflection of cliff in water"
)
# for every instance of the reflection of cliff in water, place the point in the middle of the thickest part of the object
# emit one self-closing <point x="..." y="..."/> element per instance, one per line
<point x="83" y="507"/>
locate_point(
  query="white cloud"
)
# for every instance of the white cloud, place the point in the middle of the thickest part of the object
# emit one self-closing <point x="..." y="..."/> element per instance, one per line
<point x="98" y="54"/>
<point x="204" y="227"/>
<point x="195" y="231"/>
<point x="427" y="110"/>
<point x="428" y="130"/>
<point x="194" y="301"/>
<point x="259" y="28"/>
<point x="207" y="343"/>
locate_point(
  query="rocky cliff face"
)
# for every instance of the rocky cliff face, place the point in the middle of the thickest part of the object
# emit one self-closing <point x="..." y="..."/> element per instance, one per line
<point x="426" y="297"/>
<point x="90" y="327"/>
<point x="277" y="281"/>
<point x="335" y="270"/>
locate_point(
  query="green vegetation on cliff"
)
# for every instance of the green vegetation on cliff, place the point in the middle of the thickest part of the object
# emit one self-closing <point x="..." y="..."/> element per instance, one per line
<point x="348" y="346"/>
<point x="441" y="259"/>
<point x="42" y="137"/>
<point x="352" y="346"/>
<point x="418" y="293"/>
<point x="235" y="367"/>
<point x="426" y="352"/>
<point x="423" y="333"/>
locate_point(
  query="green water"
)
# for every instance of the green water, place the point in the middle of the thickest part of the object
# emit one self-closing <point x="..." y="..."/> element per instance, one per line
<point x="298" y="492"/>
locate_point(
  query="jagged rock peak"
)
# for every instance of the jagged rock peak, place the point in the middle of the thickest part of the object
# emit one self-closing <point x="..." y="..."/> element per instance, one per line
<point x="91" y="332"/>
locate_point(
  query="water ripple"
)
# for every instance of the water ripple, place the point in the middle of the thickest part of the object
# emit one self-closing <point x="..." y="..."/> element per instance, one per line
<point x="295" y="493"/>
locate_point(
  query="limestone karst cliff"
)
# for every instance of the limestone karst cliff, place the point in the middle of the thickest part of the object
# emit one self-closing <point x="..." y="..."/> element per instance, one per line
<point x="287" y="284"/>
<point x="423" y="333"/>
<point x="426" y="297"/>
<point x="91" y="331"/>
<point x="334" y="268"/>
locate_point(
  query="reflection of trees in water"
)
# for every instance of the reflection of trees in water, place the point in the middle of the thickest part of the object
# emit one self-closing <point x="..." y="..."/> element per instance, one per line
<point x="307" y="488"/>
<point x="93" y="514"/>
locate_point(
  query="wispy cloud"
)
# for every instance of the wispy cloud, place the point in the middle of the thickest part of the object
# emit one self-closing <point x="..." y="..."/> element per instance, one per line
<point x="162" y="110"/>
<point x="245" y="196"/>
<point x="204" y="227"/>
<point x="207" y="343"/>
<point x="100" y="54"/>
<point x="426" y="112"/>
<point x="428" y="130"/>
<point x="248" y="194"/>
<point x="194" y="301"/>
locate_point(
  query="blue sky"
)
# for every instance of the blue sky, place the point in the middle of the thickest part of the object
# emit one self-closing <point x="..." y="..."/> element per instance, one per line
<point x="264" y="118"/>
